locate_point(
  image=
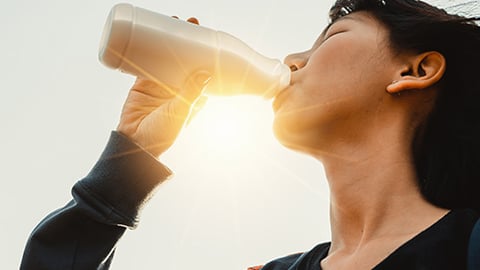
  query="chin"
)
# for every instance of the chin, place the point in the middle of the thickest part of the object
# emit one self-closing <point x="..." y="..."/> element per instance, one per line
<point x="292" y="137"/>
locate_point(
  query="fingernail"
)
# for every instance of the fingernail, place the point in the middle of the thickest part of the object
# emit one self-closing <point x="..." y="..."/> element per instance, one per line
<point x="202" y="78"/>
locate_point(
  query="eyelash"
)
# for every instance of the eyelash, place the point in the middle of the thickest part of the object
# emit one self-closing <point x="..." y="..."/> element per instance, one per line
<point x="328" y="35"/>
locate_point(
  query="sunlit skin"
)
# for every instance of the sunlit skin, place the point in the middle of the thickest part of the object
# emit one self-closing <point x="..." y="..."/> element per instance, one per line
<point x="342" y="108"/>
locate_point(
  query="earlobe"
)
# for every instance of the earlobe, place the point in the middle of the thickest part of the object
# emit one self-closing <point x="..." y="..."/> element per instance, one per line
<point x="423" y="71"/>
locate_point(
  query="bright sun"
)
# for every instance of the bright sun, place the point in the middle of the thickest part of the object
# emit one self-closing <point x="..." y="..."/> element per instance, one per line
<point x="232" y="124"/>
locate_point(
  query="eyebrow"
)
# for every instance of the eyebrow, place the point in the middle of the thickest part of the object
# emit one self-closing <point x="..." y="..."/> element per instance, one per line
<point x="332" y="23"/>
<point x="346" y="17"/>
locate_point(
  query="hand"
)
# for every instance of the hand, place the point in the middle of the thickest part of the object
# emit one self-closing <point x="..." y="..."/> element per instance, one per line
<point x="154" y="114"/>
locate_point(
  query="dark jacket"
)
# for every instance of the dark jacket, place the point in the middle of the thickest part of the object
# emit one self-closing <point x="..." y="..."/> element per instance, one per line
<point x="83" y="234"/>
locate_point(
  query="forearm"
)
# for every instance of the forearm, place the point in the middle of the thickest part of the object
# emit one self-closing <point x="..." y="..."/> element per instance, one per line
<point x="83" y="234"/>
<point x="68" y="239"/>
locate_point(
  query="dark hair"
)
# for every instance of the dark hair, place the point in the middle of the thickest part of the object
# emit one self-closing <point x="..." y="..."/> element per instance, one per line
<point x="446" y="148"/>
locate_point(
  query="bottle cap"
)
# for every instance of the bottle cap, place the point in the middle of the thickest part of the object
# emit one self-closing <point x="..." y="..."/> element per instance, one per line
<point x="284" y="75"/>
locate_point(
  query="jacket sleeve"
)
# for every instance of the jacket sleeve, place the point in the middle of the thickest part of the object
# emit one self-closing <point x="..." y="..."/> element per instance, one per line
<point x="83" y="233"/>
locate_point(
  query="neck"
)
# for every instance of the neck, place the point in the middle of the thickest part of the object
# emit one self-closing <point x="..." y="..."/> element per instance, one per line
<point x="374" y="192"/>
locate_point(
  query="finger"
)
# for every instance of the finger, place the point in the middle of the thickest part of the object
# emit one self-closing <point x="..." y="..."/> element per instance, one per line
<point x="193" y="20"/>
<point x="153" y="88"/>
<point x="190" y="20"/>
<point x="192" y="90"/>
<point x="194" y="86"/>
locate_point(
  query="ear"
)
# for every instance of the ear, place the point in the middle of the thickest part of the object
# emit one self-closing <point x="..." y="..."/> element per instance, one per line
<point x="422" y="71"/>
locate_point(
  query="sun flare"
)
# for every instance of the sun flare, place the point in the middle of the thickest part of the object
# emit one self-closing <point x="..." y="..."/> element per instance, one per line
<point x="227" y="124"/>
<point x="232" y="124"/>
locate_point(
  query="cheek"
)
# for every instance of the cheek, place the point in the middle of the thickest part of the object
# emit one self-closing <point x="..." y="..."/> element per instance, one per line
<point x="345" y="68"/>
<point x="344" y="55"/>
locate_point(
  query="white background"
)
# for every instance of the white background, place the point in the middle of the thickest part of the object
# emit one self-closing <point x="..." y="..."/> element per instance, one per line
<point x="227" y="207"/>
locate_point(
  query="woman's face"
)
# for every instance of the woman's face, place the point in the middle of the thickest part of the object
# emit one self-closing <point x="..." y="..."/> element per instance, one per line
<point x="337" y="86"/>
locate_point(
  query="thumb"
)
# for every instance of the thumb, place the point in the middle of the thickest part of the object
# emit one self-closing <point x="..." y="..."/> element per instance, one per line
<point x="194" y="86"/>
<point x="197" y="106"/>
<point x="190" y="92"/>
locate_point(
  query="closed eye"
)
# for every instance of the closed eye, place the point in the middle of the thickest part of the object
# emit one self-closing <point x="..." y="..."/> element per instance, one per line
<point x="330" y="34"/>
<point x="340" y="26"/>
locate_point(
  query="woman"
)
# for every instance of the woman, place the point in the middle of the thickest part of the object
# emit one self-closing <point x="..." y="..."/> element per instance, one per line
<point x="385" y="99"/>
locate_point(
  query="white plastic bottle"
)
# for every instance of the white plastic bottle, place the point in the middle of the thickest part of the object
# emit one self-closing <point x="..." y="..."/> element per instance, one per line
<point x="168" y="50"/>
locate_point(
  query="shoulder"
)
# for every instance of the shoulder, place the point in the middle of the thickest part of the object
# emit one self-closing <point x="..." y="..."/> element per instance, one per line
<point x="299" y="261"/>
<point x="442" y="245"/>
<point x="452" y="232"/>
<point x="458" y="223"/>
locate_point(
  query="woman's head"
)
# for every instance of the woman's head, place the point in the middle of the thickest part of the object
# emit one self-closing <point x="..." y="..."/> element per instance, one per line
<point x="337" y="84"/>
<point x="446" y="147"/>
<point x="338" y="89"/>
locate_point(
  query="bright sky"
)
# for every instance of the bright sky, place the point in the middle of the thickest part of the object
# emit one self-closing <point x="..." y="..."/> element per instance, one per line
<point x="230" y="205"/>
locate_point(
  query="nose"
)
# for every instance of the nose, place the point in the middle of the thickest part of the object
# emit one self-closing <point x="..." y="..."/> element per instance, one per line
<point x="296" y="61"/>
